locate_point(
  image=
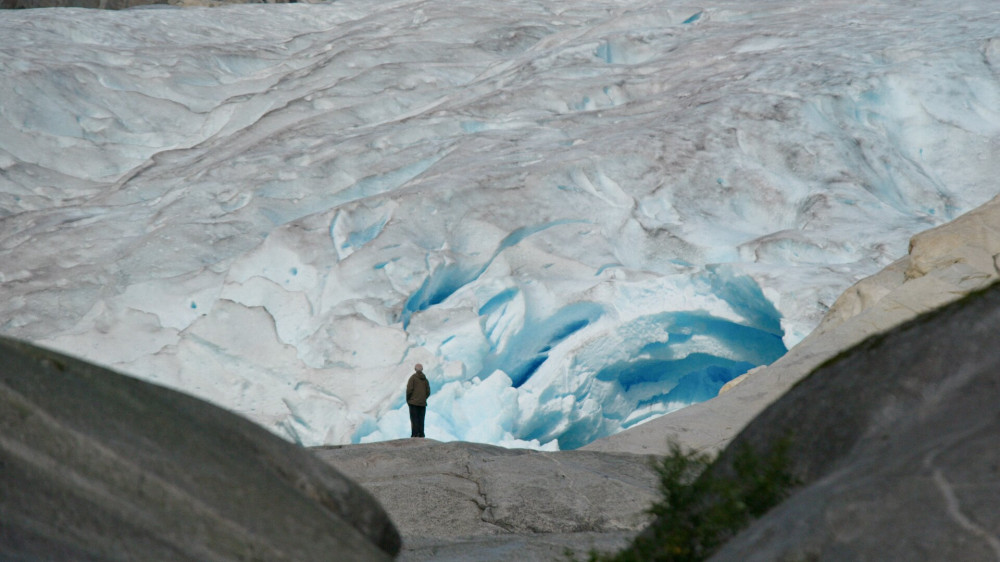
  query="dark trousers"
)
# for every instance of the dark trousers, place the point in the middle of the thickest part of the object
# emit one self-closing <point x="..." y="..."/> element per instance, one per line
<point x="417" y="420"/>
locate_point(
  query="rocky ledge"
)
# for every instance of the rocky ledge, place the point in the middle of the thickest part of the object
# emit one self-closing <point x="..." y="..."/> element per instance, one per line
<point x="466" y="501"/>
<point x="895" y="444"/>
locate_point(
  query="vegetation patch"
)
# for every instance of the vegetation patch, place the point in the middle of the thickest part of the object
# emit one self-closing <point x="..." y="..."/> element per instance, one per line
<point x="704" y="505"/>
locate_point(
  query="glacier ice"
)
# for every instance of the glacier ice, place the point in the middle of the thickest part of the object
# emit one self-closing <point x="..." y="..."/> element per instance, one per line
<point x="577" y="216"/>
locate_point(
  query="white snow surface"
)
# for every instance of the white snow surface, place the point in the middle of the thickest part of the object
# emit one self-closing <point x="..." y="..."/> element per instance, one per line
<point x="577" y="215"/>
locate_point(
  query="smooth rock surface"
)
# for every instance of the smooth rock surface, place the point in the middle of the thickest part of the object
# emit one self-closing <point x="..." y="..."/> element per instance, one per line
<point x="98" y="466"/>
<point x="943" y="264"/>
<point x="468" y="501"/>
<point x="546" y="547"/>
<point x="895" y="442"/>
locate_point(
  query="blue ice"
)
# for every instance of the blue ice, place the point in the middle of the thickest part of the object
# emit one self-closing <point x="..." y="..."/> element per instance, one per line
<point x="693" y="18"/>
<point x="361" y="237"/>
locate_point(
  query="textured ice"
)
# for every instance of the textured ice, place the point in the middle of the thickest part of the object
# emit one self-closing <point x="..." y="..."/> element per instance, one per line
<point x="577" y="215"/>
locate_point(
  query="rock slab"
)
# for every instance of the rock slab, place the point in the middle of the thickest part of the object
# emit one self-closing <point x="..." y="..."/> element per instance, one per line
<point x="99" y="466"/>
<point x="896" y="443"/>
<point x="469" y="501"/>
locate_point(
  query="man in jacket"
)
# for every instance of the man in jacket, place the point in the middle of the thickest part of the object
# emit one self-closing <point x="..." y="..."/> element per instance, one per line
<point x="417" y="391"/>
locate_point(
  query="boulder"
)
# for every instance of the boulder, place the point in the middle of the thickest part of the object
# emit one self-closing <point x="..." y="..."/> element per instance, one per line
<point x="99" y="466"/>
<point x="895" y="443"/>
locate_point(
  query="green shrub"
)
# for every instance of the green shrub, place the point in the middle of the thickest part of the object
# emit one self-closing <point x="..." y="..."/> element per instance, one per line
<point x="702" y="506"/>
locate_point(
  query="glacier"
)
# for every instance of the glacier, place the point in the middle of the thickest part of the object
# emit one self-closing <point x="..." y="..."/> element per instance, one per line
<point x="578" y="216"/>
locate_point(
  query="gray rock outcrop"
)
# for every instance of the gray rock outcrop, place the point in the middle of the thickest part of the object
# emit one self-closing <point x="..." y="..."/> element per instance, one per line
<point x="895" y="441"/>
<point x="468" y="501"/>
<point x="98" y="466"/>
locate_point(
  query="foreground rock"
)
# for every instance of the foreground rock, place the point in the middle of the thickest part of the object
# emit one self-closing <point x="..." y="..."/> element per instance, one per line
<point x="943" y="264"/>
<point x="99" y="466"/>
<point x="467" y="501"/>
<point x="896" y="444"/>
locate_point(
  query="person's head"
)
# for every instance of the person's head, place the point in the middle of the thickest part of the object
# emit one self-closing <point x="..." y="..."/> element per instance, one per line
<point x="418" y="368"/>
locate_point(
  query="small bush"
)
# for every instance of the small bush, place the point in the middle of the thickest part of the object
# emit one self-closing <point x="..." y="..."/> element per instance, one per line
<point x="701" y="507"/>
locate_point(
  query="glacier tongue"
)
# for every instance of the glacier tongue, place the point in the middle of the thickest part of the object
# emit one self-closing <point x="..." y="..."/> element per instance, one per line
<point x="576" y="216"/>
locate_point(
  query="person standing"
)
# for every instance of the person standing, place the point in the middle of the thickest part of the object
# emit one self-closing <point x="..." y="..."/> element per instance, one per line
<point x="417" y="391"/>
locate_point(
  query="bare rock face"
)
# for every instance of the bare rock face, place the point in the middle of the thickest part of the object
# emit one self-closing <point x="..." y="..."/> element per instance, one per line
<point x="98" y="466"/>
<point x="896" y="442"/>
<point x="943" y="264"/>
<point x="463" y="498"/>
